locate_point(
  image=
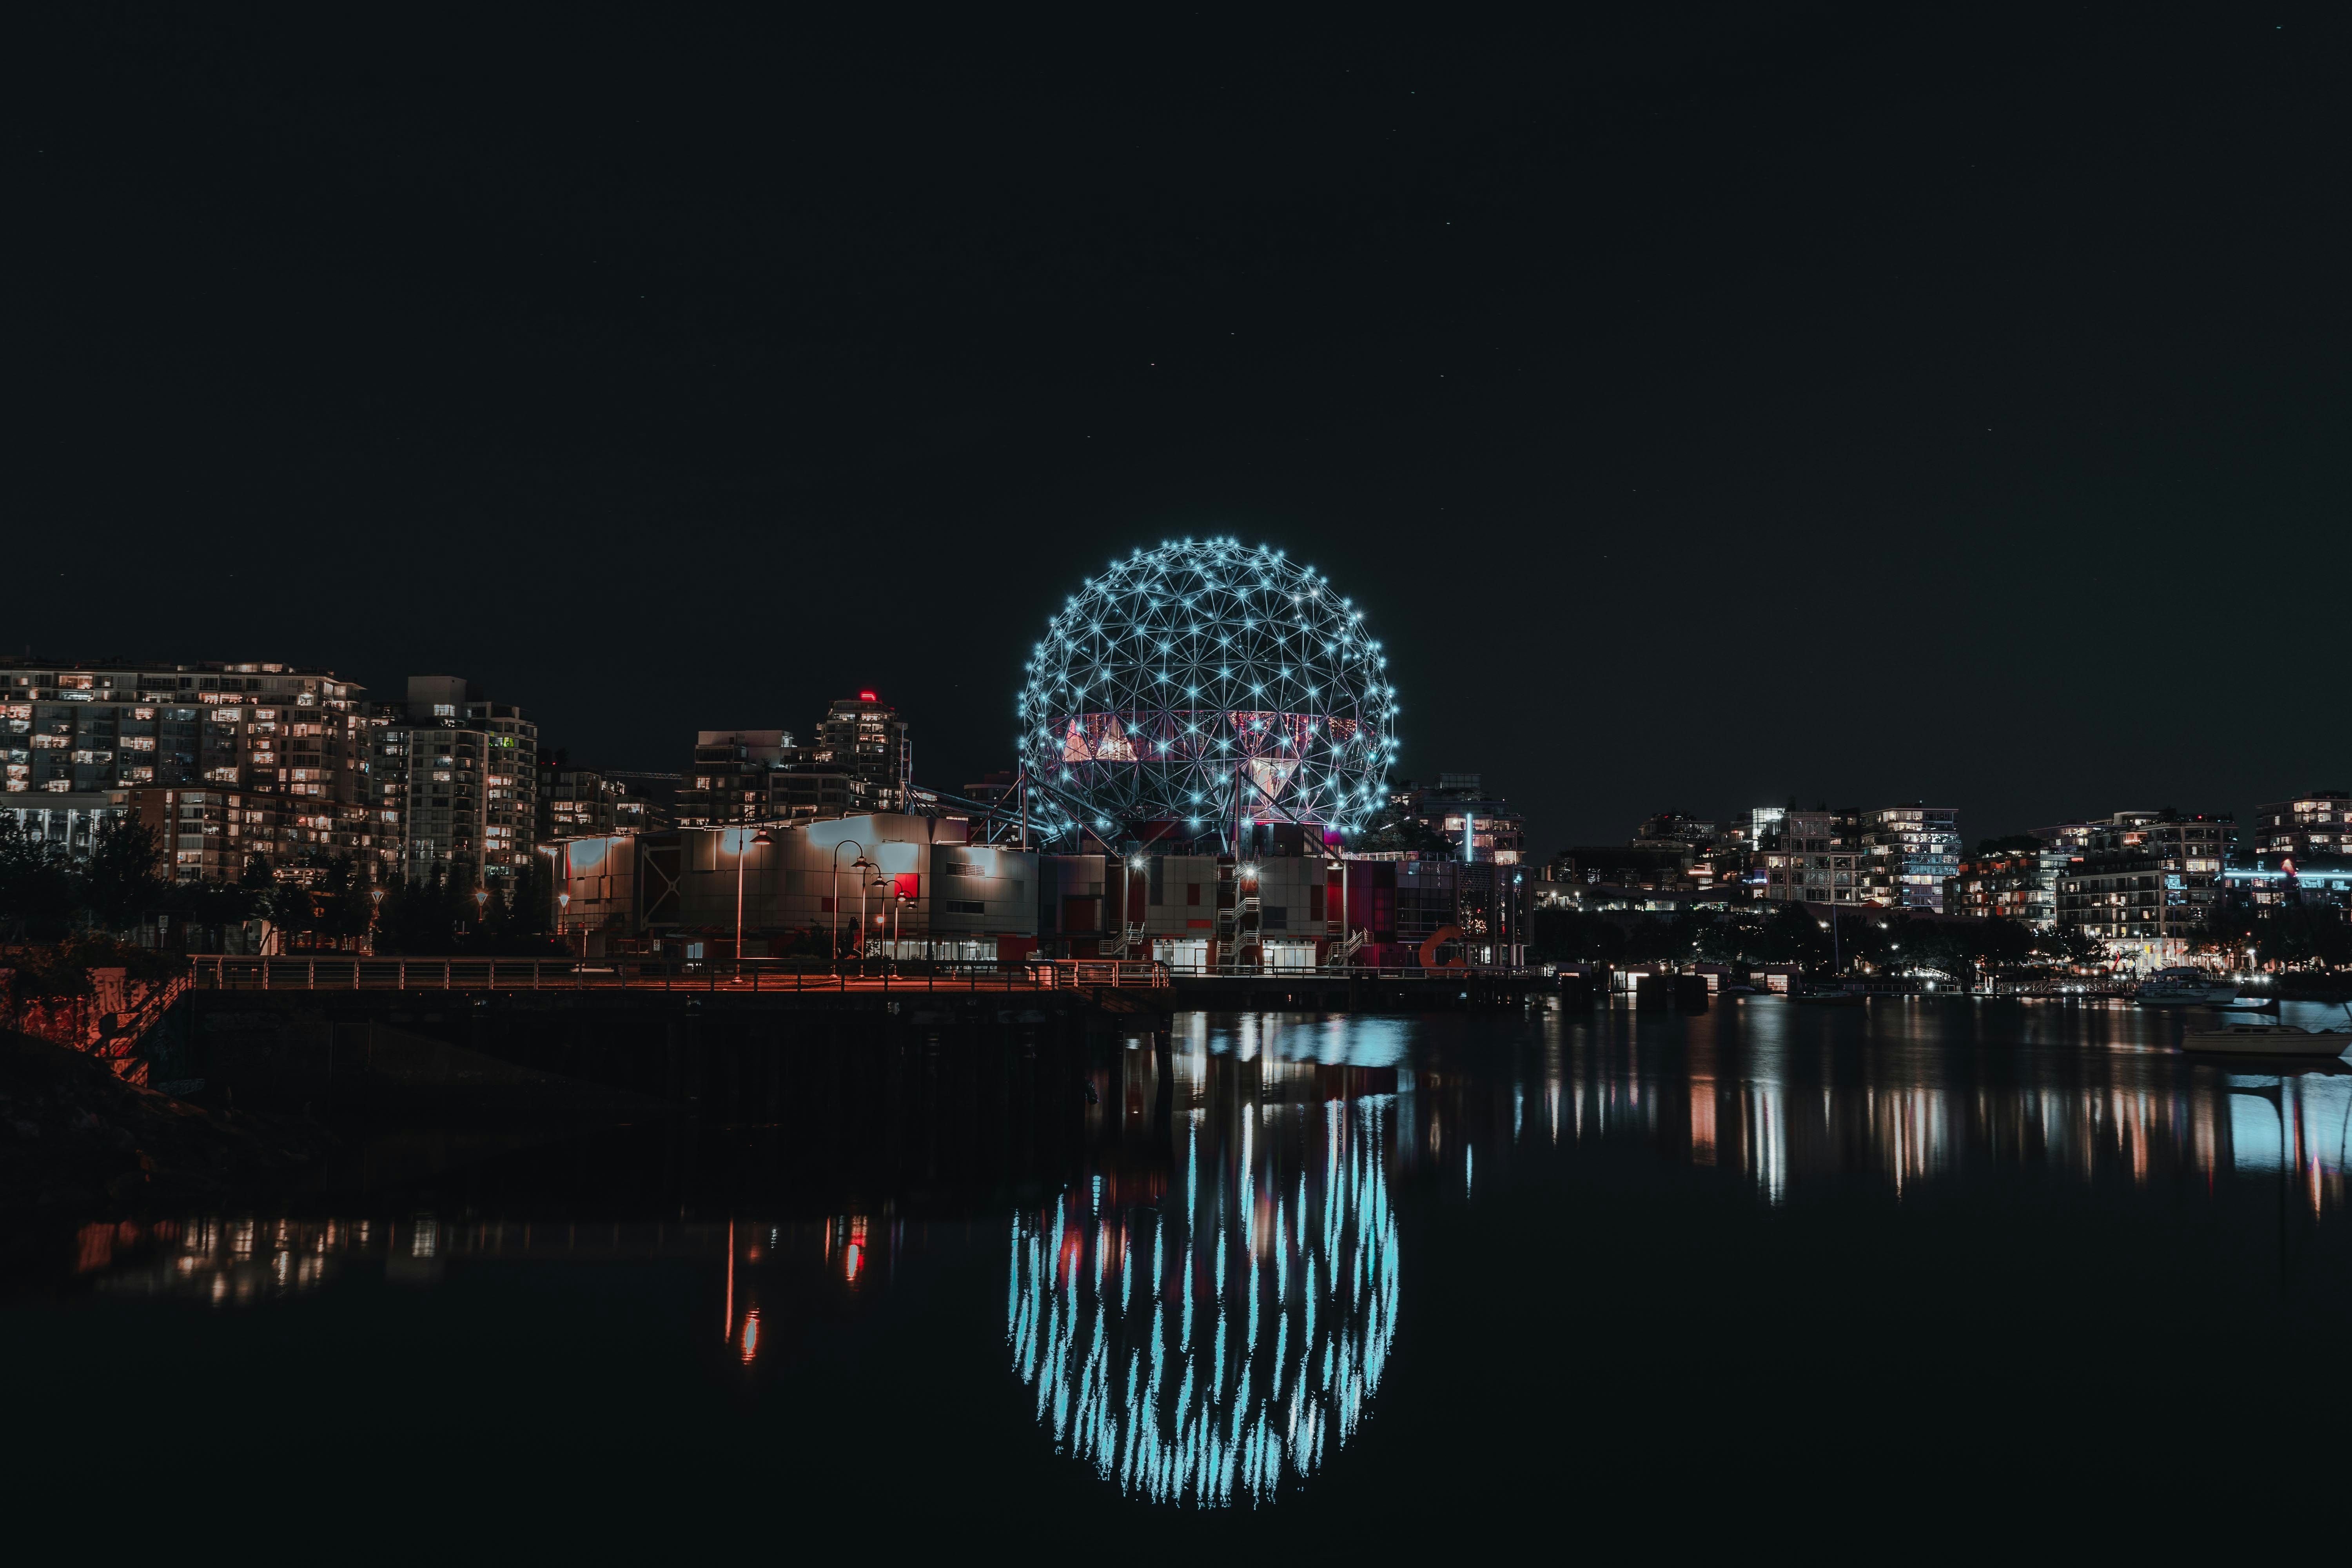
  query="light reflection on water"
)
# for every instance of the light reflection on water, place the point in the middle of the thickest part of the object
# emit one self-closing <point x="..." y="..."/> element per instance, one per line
<point x="1914" y="1094"/>
<point x="1213" y="1342"/>
<point x="1207" y="1306"/>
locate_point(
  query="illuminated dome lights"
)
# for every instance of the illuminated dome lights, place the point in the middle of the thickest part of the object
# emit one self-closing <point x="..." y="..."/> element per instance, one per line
<point x="1219" y="1347"/>
<point x="1275" y="674"/>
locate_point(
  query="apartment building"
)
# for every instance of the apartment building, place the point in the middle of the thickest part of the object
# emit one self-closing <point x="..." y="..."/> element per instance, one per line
<point x="68" y="823"/>
<point x="1896" y="857"/>
<point x="456" y="776"/>
<point x="576" y="802"/>
<point x="172" y="743"/>
<point x="2319" y="823"/>
<point x="2015" y="884"/>
<point x="2147" y="876"/>
<point x="1818" y="857"/>
<point x="860" y="761"/>
<point x="1913" y="849"/>
<point x="1482" y="827"/>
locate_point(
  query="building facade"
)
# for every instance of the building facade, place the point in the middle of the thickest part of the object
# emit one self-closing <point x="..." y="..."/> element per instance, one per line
<point x="2147" y="877"/>
<point x="2319" y="823"/>
<point x="173" y="743"/>
<point x="1897" y="857"/>
<point x="2018" y="885"/>
<point x="860" y="761"/>
<point x="84" y="728"/>
<point x="576" y="803"/>
<point x="1913" y="848"/>
<point x="66" y="824"/>
<point x="1819" y="858"/>
<point x="1482" y="827"/>
<point x="2266" y="884"/>
<point x="456" y="776"/>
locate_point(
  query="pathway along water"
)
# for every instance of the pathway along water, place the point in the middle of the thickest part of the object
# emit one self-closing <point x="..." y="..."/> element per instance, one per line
<point x="1748" y="1279"/>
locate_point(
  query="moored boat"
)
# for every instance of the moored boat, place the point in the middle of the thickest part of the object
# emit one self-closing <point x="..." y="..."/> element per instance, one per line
<point x="2266" y="1040"/>
<point x="2186" y="987"/>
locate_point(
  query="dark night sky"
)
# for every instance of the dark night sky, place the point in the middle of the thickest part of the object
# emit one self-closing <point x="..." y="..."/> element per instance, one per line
<point x="1707" y="408"/>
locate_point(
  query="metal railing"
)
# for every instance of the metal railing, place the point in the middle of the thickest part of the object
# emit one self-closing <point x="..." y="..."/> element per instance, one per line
<point x="1070" y="974"/>
<point x="331" y="972"/>
<point x="218" y="972"/>
<point x="1350" y="971"/>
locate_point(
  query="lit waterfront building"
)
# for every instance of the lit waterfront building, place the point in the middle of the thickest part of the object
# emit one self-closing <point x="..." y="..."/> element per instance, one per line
<point x="575" y="802"/>
<point x="1819" y="859"/>
<point x="2265" y="884"/>
<point x="224" y="761"/>
<point x="457" y="775"/>
<point x="1894" y="857"/>
<point x="1480" y="826"/>
<point x="2012" y="884"/>
<point x="2147" y="878"/>
<point x="1913" y="848"/>
<point x="2319" y="823"/>
<point x="861" y="761"/>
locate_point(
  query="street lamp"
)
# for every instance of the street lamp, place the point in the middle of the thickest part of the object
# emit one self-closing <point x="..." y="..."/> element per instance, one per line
<point x="562" y="904"/>
<point x="743" y="853"/>
<point x="865" y="889"/>
<point x="832" y="927"/>
<point x="374" y="914"/>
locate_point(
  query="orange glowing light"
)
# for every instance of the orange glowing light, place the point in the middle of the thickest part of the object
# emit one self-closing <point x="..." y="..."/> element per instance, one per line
<point x="751" y="1335"/>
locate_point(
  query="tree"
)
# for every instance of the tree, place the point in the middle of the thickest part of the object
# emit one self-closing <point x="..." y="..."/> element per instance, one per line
<point x="2070" y="944"/>
<point x="123" y="878"/>
<point x="2003" y="942"/>
<point x="1791" y="934"/>
<point x="340" y="899"/>
<point x="37" y="890"/>
<point x="421" y="918"/>
<point x="206" y="905"/>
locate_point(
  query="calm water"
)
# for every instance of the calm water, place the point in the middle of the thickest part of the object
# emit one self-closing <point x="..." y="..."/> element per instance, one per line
<point x="1764" y="1278"/>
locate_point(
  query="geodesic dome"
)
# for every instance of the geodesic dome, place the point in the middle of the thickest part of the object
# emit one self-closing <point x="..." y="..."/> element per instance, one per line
<point x="1202" y="684"/>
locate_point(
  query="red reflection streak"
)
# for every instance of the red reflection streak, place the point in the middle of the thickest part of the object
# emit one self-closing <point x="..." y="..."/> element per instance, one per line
<point x="1702" y="1112"/>
<point x="97" y="1247"/>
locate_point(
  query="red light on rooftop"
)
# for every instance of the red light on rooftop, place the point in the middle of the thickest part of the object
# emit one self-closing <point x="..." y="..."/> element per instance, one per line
<point x="867" y="697"/>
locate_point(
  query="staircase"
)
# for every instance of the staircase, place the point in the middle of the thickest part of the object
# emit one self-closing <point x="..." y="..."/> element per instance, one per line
<point x="1131" y="942"/>
<point x="1343" y="954"/>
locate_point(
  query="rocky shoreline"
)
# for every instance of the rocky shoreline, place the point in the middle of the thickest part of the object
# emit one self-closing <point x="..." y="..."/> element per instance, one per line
<point x="72" y="1134"/>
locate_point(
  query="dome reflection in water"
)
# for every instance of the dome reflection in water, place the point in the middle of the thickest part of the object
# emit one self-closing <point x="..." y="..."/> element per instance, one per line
<point x="1206" y="1319"/>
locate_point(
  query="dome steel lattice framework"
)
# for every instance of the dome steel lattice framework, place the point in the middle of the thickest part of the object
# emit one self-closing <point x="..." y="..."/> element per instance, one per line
<point x="1204" y="684"/>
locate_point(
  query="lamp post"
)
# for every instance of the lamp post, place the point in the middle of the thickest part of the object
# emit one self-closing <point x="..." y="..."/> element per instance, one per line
<point x="562" y="904"/>
<point x="376" y="913"/>
<point x="482" y="909"/>
<point x="832" y="927"/>
<point x="743" y="853"/>
<point x="896" y="909"/>
<point x="865" y="887"/>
